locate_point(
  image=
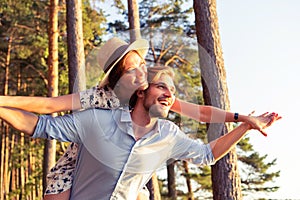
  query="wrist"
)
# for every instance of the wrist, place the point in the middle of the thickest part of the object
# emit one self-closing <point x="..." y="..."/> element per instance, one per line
<point x="242" y="118"/>
<point x="236" y="117"/>
<point x="246" y="125"/>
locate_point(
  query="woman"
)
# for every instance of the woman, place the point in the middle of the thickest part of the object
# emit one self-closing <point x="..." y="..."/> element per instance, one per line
<point x="125" y="72"/>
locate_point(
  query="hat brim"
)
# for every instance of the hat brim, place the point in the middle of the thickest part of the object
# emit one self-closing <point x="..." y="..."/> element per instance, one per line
<point x="140" y="45"/>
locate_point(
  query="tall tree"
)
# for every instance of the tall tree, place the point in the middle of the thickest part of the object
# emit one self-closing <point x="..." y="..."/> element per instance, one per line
<point x="172" y="193"/>
<point x="50" y="145"/>
<point x="225" y="177"/>
<point x="134" y="20"/>
<point x="76" y="58"/>
<point x="19" y="22"/>
<point x="26" y="21"/>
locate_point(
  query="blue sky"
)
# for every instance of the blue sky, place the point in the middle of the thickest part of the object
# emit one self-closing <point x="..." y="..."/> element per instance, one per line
<point x="261" y="50"/>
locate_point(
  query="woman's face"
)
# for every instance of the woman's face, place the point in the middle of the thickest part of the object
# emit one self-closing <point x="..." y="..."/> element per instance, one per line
<point x="134" y="76"/>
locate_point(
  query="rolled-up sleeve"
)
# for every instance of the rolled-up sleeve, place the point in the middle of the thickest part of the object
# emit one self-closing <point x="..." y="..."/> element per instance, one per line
<point x="60" y="128"/>
<point x="192" y="150"/>
<point x="199" y="154"/>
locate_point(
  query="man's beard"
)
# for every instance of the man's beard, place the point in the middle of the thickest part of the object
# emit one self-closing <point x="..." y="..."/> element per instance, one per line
<point x="156" y="111"/>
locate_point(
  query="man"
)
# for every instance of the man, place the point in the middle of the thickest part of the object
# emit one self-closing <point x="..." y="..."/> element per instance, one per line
<point x="119" y="149"/>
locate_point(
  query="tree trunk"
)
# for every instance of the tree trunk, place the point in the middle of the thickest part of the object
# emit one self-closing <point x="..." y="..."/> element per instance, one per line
<point x="134" y="20"/>
<point x="22" y="166"/>
<point x="225" y="177"/>
<point x="5" y="179"/>
<point x="153" y="188"/>
<point x="188" y="181"/>
<point x="172" y="193"/>
<point x="5" y="164"/>
<point x="2" y="163"/>
<point x="50" y="145"/>
<point x="76" y="60"/>
<point x="53" y="50"/>
<point x="7" y="63"/>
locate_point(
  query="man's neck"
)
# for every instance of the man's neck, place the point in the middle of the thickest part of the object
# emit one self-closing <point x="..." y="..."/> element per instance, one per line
<point x="142" y="122"/>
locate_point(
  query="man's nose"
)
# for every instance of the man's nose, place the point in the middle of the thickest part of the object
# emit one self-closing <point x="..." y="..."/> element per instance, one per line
<point x="169" y="95"/>
<point x="168" y="92"/>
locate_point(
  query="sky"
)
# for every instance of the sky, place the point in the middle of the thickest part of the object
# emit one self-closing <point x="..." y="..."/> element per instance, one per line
<point x="261" y="51"/>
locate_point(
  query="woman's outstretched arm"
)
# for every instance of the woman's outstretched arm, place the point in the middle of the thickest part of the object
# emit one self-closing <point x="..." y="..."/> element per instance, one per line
<point x="210" y="114"/>
<point x="42" y="105"/>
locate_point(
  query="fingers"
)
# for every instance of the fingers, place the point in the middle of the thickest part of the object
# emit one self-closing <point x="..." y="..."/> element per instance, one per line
<point x="251" y="113"/>
<point x="265" y="120"/>
<point x="265" y="114"/>
<point x="278" y="117"/>
<point x="274" y="117"/>
<point x="271" y="120"/>
<point x="263" y="132"/>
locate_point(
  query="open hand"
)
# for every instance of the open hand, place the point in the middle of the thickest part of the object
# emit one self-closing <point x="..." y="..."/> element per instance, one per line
<point x="263" y="121"/>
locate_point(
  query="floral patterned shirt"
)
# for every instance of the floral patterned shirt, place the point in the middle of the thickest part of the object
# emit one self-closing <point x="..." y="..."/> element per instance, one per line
<point x="60" y="177"/>
<point x="99" y="97"/>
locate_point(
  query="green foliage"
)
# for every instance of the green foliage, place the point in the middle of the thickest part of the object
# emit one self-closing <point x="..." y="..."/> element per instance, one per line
<point x="92" y="21"/>
<point x="21" y="158"/>
<point x="171" y="14"/>
<point x="256" y="171"/>
<point x="26" y="24"/>
<point x="202" y="178"/>
<point x="23" y="23"/>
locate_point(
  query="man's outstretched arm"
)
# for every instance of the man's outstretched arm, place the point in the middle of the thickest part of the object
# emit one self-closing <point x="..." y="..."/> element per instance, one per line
<point x="223" y="145"/>
<point x="21" y="120"/>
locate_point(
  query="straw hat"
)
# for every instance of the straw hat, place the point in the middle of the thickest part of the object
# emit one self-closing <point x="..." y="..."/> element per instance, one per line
<point x="114" y="50"/>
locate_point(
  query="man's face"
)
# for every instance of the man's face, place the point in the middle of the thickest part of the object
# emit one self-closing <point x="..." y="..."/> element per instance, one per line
<point x="159" y="97"/>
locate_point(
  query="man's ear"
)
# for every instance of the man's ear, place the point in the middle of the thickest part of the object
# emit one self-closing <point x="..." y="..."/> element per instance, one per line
<point x="140" y="93"/>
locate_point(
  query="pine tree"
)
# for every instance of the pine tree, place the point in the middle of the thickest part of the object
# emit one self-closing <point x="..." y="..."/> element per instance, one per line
<point x="26" y="23"/>
<point x="256" y="170"/>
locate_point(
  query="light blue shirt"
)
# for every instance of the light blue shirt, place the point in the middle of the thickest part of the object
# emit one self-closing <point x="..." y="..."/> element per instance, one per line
<point x="111" y="164"/>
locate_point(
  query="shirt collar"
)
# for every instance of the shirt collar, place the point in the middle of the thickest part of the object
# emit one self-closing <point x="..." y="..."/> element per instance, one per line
<point x="154" y="131"/>
<point x="126" y="121"/>
<point x="125" y="114"/>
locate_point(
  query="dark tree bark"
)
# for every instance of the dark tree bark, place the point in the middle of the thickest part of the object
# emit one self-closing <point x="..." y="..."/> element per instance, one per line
<point x="225" y="177"/>
<point x="188" y="181"/>
<point x="134" y="20"/>
<point x="76" y="59"/>
<point x="50" y="145"/>
<point x="172" y="193"/>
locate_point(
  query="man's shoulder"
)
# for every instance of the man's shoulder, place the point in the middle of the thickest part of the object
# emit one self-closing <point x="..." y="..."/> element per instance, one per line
<point x="167" y="125"/>
<point x="167" y="121"/>
<point x="92" y="113"/>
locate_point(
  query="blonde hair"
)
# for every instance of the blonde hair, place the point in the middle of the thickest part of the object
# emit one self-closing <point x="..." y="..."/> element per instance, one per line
<point x="154" y="73"/>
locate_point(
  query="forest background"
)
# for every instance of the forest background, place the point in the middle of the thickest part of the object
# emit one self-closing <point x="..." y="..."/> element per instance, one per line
<point x="26" y="24"/>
